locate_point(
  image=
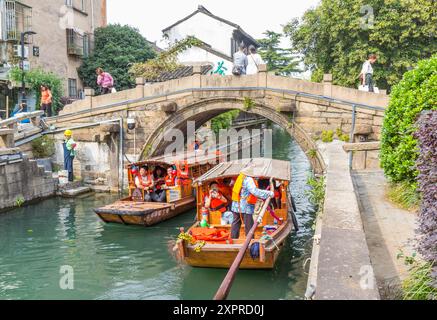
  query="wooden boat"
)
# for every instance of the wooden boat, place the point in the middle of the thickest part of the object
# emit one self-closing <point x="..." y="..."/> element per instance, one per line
<point x="133" y="210"/>
<point x="211" y="254"/>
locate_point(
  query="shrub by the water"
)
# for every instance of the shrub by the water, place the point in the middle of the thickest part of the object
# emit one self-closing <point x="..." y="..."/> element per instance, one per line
<point x="415" y="93"/>
<point x="327" y="136"/>
<point x="43" y="147"/>
<point x="427" y="166"/>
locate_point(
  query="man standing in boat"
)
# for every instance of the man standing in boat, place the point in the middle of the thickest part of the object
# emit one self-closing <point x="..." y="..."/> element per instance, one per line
<point x="243" y="207"/>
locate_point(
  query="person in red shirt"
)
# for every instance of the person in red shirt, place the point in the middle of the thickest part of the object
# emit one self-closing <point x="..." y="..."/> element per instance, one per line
<point x="215" y="201"/>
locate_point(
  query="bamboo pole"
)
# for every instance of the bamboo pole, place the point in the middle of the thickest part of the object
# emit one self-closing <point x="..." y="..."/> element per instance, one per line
<point x="225" y="288"/>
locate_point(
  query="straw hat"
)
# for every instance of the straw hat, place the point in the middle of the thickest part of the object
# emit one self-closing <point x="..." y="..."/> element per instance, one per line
<point x="250" y="171"/>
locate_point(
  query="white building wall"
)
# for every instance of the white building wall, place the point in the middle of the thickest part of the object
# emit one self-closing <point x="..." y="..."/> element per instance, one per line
<point x="196" y="55"/>
<point x="209" y="30"/>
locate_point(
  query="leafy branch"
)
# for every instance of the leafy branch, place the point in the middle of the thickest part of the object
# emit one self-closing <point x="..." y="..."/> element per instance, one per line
<point x="166" y="61"/>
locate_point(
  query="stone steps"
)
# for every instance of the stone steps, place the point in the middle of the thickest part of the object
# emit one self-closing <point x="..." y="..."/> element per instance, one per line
<point x="75" y="192"/>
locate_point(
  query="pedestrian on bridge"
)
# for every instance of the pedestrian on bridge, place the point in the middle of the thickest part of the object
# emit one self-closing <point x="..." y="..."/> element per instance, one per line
<point x="69" y="146"/>
<point x="240" y="62"/>
<point x="254" y="61"/>
<point x="105" y="81"/>
<point x="366" y="75"/>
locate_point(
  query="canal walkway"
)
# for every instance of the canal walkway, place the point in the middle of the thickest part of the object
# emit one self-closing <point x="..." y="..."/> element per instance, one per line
<point x="389" y="231"/>
<point x="343" y="266"/>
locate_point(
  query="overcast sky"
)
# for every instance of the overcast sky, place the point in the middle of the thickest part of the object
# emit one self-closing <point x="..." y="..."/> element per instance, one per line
<point x="255" y="16"/>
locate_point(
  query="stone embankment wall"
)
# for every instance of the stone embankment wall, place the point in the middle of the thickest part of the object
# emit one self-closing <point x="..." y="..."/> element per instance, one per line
<point x="23" y="179"/>
<point x="341" y="266"/>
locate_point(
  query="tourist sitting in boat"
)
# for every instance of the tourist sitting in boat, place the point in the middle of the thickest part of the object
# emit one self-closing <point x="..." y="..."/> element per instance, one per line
<point x="159" y="180"/>
<point x="244" y="198"/>
<point x="278" y="196"/>
<point x="226" y="188"/>
<point x="182" y="174"/>
<point x="215" y="201"/>
<point x="145" y="182"/>
<point x="170" y="179"/>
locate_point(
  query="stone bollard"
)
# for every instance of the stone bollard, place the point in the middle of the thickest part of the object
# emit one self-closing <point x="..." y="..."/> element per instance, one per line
<point x="197" y="69"/>
<point x="140" y="82"/>
<point x="197" y="76"/>
<point x="262" y="75"/>
<point x="327" y="85"/>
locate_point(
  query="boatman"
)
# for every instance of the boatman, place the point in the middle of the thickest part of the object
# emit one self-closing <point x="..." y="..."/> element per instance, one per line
<point x="243" y="207"/>
<point x="69" y="146"/>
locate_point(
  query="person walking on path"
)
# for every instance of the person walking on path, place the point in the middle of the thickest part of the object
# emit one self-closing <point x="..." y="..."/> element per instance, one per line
<point x="254" y="61"/>
<point x="105" y="81"/>
<point x="69" y="146"/>
<point x="366" y="75"/>
<point x="243" y="207"/>
<point x="240" y="62"/>
<point x="46" y="100"/>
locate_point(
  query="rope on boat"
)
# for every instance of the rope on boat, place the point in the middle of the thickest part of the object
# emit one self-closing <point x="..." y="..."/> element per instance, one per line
<point x="270" y="238"/>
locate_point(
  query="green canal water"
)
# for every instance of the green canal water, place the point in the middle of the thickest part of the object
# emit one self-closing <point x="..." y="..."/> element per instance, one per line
<point x="119" y="262"/>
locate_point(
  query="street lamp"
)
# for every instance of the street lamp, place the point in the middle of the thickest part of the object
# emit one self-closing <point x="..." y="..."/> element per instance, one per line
<point x="23" y="85"/>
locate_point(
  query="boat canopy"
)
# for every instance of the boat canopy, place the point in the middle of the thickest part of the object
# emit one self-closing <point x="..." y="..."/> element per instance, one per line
<point x="262" y="168"/>
<point x="192" y="159"/>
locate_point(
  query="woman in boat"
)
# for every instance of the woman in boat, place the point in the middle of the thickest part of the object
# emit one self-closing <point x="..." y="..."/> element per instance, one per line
<point x="243" y="207"/>
<point x="159" y="178"/>
<point x="215" y="201"/>
<point x="182" y="173"/>
<point x="145" y="182"/>
<point x="170" y="179"/>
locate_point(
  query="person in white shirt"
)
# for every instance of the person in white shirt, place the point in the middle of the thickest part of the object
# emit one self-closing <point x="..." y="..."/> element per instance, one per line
<point x="254" y="61"/>
<point x="366" y="75"/>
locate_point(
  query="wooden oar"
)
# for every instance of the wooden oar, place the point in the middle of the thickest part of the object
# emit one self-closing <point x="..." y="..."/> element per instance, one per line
<point x="225" y="288"/>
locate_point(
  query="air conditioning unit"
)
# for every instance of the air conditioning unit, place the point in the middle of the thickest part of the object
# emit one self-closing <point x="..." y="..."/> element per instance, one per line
<point x="17" y="51"/>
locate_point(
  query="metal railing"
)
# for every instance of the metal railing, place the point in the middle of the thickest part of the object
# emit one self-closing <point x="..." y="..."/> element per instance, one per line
<point x="18" y="19"/>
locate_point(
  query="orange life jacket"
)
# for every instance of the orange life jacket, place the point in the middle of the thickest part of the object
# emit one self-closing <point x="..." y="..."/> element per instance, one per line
<point x="170" y="181"/>
<point x="149" y="182"/>
<point x="218" y="205"/>
<point x="236" y="192"/>
<point x="183" y="175"/>
<point x="210" y="235"/>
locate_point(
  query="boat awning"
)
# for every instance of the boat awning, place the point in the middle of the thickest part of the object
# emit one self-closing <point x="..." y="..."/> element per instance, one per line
<point x="263" y="168"/>
<point x="192" y="159"/>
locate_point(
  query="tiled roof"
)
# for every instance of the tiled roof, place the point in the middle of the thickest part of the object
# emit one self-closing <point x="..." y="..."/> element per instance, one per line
<point x="182" y="72"/>
<point x="202" y="9"/>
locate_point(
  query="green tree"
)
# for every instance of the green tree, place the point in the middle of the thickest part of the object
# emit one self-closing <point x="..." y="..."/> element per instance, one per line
<point x="415" y="93"/>
<point x="224" y="121"/>
<point x="337" y="36"/>
<point x="35" y="78"/>
<point x="116" y="48"/>
<point x="279" y="60"/>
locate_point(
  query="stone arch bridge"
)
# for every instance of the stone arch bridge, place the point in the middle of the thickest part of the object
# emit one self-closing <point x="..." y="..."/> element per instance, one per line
<point x="303" y="108"/>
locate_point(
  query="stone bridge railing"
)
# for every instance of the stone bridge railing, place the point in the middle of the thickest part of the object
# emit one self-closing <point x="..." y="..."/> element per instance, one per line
<point x="253" y="85"/>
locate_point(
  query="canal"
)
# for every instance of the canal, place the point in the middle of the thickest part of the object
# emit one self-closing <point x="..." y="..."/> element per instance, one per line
<point x="119" y="262"/>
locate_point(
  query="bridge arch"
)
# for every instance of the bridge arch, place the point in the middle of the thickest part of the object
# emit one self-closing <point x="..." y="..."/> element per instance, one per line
<point x="205" y="110"/>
